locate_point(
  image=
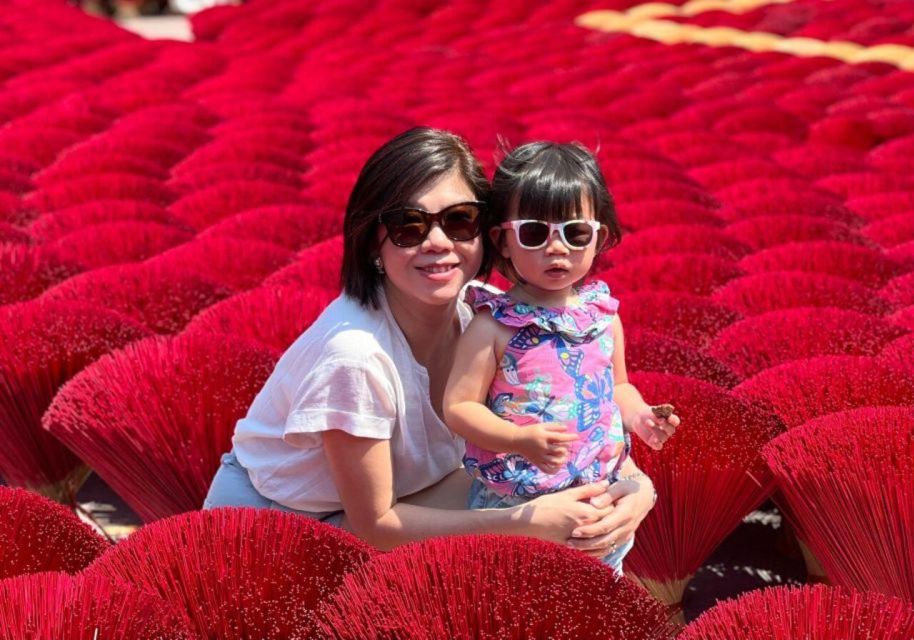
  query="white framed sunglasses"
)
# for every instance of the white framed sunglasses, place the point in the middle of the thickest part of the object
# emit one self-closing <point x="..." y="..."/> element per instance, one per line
<point x="577" y="235"/>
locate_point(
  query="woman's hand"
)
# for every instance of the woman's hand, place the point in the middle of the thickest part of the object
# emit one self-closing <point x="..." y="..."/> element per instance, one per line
<point x="554" y="516"/>
<point x="631" y="501"/>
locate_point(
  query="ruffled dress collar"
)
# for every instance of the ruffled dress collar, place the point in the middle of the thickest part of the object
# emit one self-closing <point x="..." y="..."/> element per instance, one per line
<point x="581" y="321"/>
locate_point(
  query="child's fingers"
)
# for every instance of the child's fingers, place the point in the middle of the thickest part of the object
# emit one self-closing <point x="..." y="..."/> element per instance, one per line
<point x="558" y="457"/>
<point x="555" y="427"/>
<point x="562" y="440"/>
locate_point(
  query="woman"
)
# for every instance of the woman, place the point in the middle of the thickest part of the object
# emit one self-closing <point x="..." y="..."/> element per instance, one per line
<point x="348" y="427"/>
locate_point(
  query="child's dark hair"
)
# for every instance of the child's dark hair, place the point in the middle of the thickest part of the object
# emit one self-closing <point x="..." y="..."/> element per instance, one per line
<point x="550" y="181"/>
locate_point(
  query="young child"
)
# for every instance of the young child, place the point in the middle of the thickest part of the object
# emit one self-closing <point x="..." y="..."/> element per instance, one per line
<point x="538" y="388"/>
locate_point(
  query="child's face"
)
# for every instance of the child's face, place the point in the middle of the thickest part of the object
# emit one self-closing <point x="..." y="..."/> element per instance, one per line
<point x="555" y="267"/>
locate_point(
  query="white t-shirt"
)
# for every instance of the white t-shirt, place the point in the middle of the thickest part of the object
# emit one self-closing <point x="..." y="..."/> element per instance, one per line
<point x="351" y="370"/>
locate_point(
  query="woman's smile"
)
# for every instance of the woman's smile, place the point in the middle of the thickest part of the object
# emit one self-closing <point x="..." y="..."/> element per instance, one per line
<point x="439" y="272"/>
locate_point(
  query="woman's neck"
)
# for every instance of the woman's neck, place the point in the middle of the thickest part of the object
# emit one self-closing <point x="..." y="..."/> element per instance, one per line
<point x="425" y="327"/>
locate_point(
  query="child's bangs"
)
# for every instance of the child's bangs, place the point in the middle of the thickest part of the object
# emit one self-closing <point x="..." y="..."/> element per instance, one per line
<point x="552" y="198"/>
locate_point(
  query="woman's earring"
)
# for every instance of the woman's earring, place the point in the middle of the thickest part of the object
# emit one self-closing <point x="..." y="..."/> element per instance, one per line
<point x="378" y="265"/>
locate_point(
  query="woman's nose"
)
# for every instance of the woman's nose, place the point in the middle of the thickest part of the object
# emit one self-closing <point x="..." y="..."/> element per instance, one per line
<point x="436" y="238"/>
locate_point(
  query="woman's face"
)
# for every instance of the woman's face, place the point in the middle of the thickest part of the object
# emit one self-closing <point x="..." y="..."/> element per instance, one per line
<point x="435" y="271"/>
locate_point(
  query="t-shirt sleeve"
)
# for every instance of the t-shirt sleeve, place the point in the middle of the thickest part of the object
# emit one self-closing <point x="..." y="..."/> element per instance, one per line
<point x="354" y="396"/>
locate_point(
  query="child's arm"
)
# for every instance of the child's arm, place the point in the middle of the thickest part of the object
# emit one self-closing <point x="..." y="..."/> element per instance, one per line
<point x="637" y="416"/>
<point x="545" y="445"/>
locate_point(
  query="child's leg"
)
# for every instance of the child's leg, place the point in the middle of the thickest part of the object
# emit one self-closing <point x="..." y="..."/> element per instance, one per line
<point x="482" y="497"/>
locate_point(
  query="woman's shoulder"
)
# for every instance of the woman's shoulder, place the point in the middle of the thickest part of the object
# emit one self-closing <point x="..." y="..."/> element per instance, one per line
<point x="345" y="331"/>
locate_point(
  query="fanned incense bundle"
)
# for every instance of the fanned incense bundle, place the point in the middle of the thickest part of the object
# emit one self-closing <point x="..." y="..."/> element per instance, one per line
<point x="649" y="351"/>
<point x="38" y="534"/>
<point x="272" y="316"/>
<point x="761" y="118"/>
<point x="62" y="607"/>
<point x="654" y="189"/>
<point x="109" y="186"/>
<point x="236" y="263"/>
<point x="235" y="574"/>
<point x="154" y="418"/>
<point x="490" y="587"/>
<point x="234" y="171"/>
<point x="764" y="199"/>
<point x="877" y="206"/>
<point x="153" y="149"/>
<point x="13" y="235"/>
<point x="763" y="232"/>
<point x="620" y="169"/>
<point x="849" y="474"/>
<point x="693" y="274"/>
<point x="42" y="345"/>
<point x="718" y="175"/>
<point x="682" y="238"/>
<point x="208" y="206"/>
<point x="26" y="271"/>
<point x="800" y="390"/>
<point x="38" y="144"/>
<point x="217" y="151"/>
<point x="867" y="266"/>
<point x="763" y="292"/>
<point x="54" y="225"/>
<point x="817" y="160"/>
<point x="291" y="226"/>
<point x="802" y="613"/>
<point x="899" y="291"/>
<point x="163" y="298"/>
<point x="769" y="339"/>
<point x="704" y="492"/>
<point x="898" y="353"/>
<point x="644" y="214"/>
<point x="112" y="243"/>
<point x="69" y="167"/>
<point x="694" y="319"/>
<point x="890" y="231"/>
<point x="315" y="266"/>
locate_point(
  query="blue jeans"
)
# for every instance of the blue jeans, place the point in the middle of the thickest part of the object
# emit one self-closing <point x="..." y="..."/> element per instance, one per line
<point x="232" y="487"/>
<point x="481" y="497"/>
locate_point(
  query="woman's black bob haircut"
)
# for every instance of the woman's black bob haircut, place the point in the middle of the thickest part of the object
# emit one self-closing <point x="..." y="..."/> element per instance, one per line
<point x="550" y="181"/>
<point x="390" y="178"/>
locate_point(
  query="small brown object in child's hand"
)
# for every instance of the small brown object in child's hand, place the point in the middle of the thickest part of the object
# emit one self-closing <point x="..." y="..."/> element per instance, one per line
<point x="663" y="410"/>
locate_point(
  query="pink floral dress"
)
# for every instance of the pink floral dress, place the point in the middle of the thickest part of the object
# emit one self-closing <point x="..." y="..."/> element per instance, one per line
<point x="556" y="368"/>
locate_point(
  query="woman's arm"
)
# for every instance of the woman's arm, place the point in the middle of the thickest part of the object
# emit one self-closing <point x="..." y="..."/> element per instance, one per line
<point x="363" y="474"/>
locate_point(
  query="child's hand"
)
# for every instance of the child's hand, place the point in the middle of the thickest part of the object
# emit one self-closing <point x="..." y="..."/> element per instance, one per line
<point x="546" y="445"/>
<point x="652" y="427"/>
